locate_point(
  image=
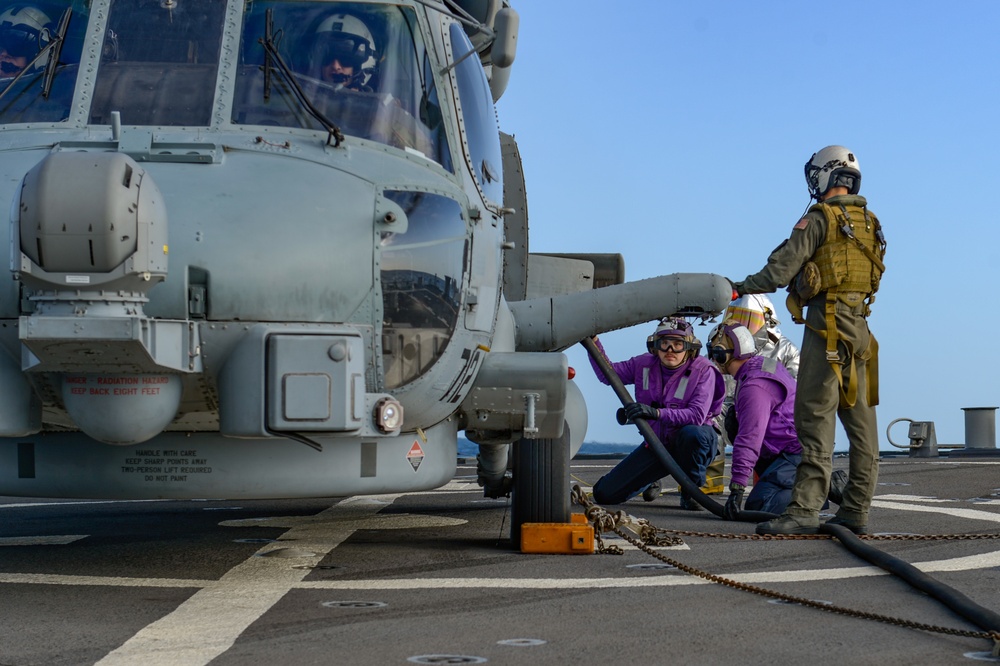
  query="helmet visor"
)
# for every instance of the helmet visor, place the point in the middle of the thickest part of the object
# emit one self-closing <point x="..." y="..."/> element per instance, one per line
<point x="349" y="50"/>
<point x="19" y="42"/>
<point x="752" y="319"/>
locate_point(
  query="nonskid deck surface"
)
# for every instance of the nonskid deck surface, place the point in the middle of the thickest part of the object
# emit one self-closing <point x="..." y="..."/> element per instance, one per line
<point x="430" y="578"/>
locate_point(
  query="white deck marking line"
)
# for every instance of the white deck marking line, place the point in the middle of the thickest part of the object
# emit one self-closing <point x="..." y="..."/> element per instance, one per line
<point x="979" y="501"/>
<point x="210" y="621"/>
<point x="625" y="545"/>
<point x="915" y="498"/>
<point x="51" y="540"/>
<point x="101" y="581"/>
<point x="972" y="514"/>
<point x="35" y="505"/>
<point x="221" y="587"/>
<point x="983" y="561"/>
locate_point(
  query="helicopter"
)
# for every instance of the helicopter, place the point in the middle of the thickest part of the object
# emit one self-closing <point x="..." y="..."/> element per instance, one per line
<point x="279" y="249"/>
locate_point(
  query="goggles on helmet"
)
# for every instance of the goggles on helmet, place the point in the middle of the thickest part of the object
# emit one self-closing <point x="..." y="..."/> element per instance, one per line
<point x="675" y="345"/>
<point x="719" y="354"/>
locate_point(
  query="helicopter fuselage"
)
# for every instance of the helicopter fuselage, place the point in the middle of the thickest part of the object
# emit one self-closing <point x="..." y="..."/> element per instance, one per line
<point x="236" y="275"/>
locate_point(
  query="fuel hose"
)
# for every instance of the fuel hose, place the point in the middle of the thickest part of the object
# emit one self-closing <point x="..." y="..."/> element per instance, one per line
<point x="953" y="599"/>
<point x="983" y="618"/>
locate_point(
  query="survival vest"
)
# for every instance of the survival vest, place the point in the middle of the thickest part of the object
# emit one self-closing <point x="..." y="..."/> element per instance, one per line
<point x="847" y="266"/>
<point x="850" y="259"/>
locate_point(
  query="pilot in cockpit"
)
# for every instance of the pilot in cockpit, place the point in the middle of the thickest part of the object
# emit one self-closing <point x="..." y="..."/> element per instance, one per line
<point x="24" y="31"/>
<point x="343" y="53"/>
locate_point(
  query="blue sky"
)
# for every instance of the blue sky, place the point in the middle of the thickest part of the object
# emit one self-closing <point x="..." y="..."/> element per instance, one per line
<point x="676" y="134"/>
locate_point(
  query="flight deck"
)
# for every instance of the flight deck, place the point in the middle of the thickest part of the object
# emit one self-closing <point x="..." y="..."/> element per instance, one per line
<point x="430" y="577"/>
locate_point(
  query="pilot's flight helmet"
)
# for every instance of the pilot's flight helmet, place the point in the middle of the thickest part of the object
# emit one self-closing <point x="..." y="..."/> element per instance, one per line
<point x="24" y="31"/>
<point x="345" y="38"/>
<point x="674" y="327"/>
<point x="730" y="340"/>
<point x="834" y="166"/>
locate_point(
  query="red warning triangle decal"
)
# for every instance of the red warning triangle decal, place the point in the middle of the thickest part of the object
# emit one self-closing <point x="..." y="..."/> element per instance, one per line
<point x="415" y="455"/>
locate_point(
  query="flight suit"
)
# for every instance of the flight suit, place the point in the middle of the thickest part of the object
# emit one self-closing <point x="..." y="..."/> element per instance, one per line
<point x="817" y="400"/>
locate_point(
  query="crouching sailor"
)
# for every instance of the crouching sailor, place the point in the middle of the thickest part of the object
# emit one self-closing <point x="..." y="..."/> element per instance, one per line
<point x="679" y="393"/>
<point x="761" y="422"/>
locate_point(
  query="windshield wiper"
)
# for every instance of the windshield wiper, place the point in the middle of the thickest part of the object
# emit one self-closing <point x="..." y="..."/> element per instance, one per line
<point x="271" y="58"/>
<point x="55" y="51"/>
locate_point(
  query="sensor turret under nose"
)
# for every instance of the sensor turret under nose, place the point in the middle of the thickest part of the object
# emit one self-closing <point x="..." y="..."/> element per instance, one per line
<point x="90" y="219"/>
<point x="91" y="230"/>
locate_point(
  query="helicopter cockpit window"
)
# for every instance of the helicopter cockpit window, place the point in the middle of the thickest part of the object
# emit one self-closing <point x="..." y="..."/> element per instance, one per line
<point x="421" y="273"/>
<point x="40" y="45"/>
<point x="481" y="130"/>
<point x="364" y="67"/>
<point x="159" y="62"/>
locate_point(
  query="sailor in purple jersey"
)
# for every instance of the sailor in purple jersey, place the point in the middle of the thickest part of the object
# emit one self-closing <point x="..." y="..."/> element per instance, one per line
<point x="679" y="393"/>
<point x="764" y="439"/>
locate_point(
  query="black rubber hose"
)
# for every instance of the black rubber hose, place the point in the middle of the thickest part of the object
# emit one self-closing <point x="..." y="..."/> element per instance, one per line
<point x="983" y="618"/>
<point x="656" y="445"/>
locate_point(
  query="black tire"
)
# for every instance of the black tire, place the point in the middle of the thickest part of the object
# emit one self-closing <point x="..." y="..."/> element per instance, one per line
<point x="541" y="483"/>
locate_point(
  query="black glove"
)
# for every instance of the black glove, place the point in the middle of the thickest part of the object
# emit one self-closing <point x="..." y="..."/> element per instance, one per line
<point x="636" y="410"/>
<point x="735" y="502"/>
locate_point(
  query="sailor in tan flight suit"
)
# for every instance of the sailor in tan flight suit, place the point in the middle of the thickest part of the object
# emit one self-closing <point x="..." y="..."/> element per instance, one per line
<point x="832" y="263"/>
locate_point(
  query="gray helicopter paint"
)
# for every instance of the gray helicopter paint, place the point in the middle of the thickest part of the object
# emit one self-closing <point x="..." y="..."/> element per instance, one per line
<point x="207" y="465"/>
<point x="273" y="250"/>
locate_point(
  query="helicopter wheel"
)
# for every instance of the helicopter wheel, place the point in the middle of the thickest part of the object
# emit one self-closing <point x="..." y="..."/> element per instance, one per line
<point x="541" y="483"/>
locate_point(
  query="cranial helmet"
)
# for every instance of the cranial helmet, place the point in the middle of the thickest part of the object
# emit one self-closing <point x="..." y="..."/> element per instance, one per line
<point x="345" y="38"/>
<point x="834" y="166"/>
<point x="24" y="31"/>
<point x="675" y="327"/>
<point x="730" y="340"/>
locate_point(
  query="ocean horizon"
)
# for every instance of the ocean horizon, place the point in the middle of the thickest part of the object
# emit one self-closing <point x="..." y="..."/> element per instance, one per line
<point x="467" y="449"/>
